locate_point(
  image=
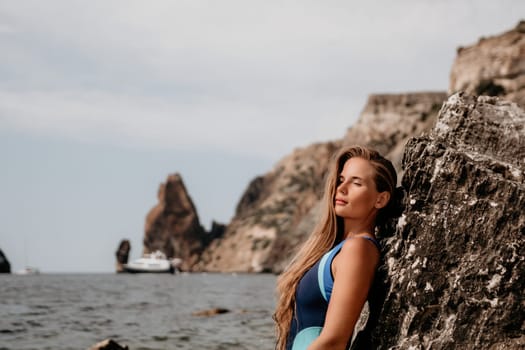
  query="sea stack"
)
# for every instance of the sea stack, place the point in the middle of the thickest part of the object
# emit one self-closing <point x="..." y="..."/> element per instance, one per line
<point x="122" y="254"/>
<point x="173" y="226"/>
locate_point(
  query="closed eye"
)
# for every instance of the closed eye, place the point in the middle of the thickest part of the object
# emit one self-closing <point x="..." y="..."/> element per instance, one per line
<point x="356" y="180"/>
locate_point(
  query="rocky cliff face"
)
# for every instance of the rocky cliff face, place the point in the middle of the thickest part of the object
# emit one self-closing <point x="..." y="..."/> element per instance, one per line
<point x="279" y="210"/>
<point x="456" y="264"/>
<point x="494" y="66"/>
<point x="173" y="226"/>
<point x="453" y="271"/>
<point x="389" y="120"/>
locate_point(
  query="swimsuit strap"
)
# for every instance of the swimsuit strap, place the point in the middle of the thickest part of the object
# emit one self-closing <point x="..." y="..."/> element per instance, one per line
<point x="324" y="272"/>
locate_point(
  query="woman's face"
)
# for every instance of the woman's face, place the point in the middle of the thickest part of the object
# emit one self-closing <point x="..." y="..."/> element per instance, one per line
<point x="356" y="196"/>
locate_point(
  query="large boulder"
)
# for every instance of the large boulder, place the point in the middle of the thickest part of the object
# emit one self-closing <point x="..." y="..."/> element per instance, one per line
<point x="456" y="265"/>
<point x="494" y="66"/>
<point x="173" y="226"/>
<point x="5" y="266"/>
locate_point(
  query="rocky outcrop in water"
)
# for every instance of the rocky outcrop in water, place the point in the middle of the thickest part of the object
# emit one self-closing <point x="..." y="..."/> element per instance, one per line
<point x="210" y="312"/>
<point x="5" y="266"/>
<point x="108" y="344"/>
<point x="122" y="254"/>
<point x="173" y="226"/>
<point x="495" y="66"/>
<point x="456" y="265"/>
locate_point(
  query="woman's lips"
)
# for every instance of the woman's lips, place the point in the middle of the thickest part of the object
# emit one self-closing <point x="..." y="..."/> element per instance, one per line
<point x="340" y="201"/>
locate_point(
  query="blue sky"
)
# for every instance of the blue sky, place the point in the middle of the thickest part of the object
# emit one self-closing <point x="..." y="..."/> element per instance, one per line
<point x="101" y="100"/>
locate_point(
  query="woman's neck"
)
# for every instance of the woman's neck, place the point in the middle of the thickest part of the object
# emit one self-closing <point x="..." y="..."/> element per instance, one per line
<point x="355" y="228"/>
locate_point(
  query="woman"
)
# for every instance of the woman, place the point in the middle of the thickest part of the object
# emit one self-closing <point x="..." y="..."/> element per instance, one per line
<point x="322" y="292"/>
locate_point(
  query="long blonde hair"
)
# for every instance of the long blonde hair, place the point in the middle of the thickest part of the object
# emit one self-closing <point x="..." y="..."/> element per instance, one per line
<point x="327" y="233"/>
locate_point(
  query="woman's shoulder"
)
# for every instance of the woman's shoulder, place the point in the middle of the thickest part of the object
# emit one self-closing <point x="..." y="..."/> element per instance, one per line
<point x="360" y="246"/>
<point x="357" y="255"/>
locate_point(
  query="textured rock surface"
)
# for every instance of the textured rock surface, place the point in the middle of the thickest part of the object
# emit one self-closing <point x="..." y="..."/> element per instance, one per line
<point x="494" y="66"/>
<point x="456" y="264"/>
<point x="173" y="226"/>
<point x="5" y="267"/>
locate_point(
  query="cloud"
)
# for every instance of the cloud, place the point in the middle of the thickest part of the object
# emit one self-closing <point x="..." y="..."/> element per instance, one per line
<point x="237" y="127"/>
<point x="201" y="74"/>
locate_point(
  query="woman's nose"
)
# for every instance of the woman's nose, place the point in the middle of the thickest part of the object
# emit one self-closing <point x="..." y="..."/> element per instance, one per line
<point x="341" y="188"/>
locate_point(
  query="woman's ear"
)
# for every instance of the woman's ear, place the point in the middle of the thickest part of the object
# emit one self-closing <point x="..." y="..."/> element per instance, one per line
<point x="382" y="200"/>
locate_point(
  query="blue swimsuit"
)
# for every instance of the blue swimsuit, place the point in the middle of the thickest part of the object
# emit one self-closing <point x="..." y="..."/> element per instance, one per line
<point x="311" y="300"/>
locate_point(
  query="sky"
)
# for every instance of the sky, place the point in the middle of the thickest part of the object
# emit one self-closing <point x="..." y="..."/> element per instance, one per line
<point x="101" y="100"/>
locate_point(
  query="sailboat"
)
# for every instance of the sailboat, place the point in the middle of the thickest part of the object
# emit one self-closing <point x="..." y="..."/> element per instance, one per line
<point x="28" y="270"/>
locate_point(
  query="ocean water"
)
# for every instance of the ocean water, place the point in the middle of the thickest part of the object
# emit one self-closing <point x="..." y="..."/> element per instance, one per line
<point x="145" y="312"/>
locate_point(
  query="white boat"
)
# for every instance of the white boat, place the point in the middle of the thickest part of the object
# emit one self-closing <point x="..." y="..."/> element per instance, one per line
<point x="28" y="271"/>
<point x="155" y="262"/>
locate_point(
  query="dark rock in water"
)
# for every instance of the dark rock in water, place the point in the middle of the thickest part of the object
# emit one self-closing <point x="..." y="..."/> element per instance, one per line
<point x="5" y="266"/>
<point x="210" y="312"/>
<point x="173" y="226"/>
<point x="456" y="265"/>
<point x="108" y="344"/>
<point x="122" y="254"/>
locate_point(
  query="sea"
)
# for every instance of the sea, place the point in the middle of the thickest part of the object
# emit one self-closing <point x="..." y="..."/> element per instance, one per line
<point x="142" y="311"/>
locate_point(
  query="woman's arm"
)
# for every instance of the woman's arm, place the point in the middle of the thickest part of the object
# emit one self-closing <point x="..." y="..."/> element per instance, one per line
<point x="354" y="268"/>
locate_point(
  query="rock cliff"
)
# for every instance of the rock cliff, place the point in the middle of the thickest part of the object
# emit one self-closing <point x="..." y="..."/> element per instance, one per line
<point x="389" y="120"/>
<point x="453" y="272"/>
<point x="278" y="210"/>
<point x="173" y="226"/>
<point x="495" y="66"/>
<point x="456" y="264"/>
